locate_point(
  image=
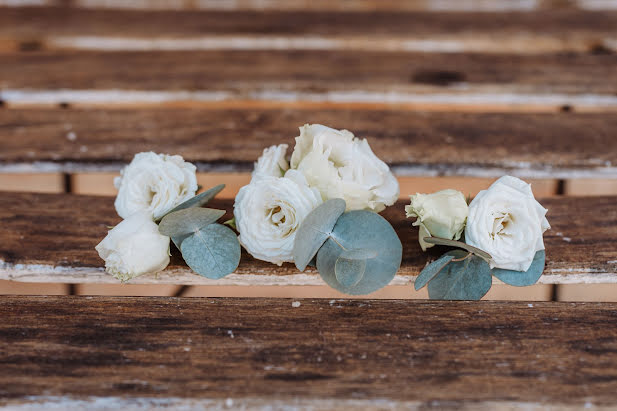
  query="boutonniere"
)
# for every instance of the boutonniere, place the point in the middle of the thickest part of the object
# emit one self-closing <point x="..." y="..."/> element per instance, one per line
<point x="500" y="233"/>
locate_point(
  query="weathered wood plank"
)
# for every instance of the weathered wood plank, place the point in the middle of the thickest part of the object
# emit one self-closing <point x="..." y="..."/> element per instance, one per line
<point x="29" y="29"/>
<point x="51" y="238"/>
<point x="121" y="353"/>
<point x="309" y="76"/>
<point x="566" y="145"/>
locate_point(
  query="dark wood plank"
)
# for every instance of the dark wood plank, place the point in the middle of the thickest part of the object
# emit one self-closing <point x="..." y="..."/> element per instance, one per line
<point x="567" y="145"/>
<point x="73" y="352"/>
<point x="273" y="75"/>
<point x="573" y="27"/>
<point x="51" y="238"/>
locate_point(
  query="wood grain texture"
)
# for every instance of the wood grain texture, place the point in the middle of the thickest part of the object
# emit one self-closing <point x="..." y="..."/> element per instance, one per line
<point x="343" y="77"/>
<point x="565" y="145"/>
<point x="337" y="354"/>
<point x="32" y="29"/>
<point x="51" y="238"/>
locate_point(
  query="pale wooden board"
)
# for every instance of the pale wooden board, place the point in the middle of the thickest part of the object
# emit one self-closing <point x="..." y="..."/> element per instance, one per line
<point x="61" y="244"/>
<point x="36" y="183"/>
<point x="590" y="187"/>
<point x="587" y="292"/>
<point x="192" y="353"/>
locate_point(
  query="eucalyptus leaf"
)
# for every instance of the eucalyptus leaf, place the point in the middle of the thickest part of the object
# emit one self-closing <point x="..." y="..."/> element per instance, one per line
<point x="357" y="234"/>
<point x="469" y="279"/>
<point x="314" y="231"/>
<point x="349" y="271"/>
<point x="431" y="270"/>
<point x="199" y="200"/>
<point x="213" y="251"/>
<point x="188" y="221"/>
<point x="453" y="243"/>
<point x="523" y="278"/>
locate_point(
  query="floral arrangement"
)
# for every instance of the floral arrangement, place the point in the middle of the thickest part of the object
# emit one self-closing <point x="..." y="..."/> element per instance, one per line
<point x="321" y="208"/>
<point x="503" y="236"/>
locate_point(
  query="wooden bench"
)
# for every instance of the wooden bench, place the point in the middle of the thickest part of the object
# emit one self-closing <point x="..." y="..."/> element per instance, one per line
<point x="448" y="93"/>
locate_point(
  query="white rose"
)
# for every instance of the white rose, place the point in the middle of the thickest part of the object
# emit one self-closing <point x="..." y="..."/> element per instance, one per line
<point x="507" y="222"/>
<point x="342" y="166"/>
<point x="268" y="212"/>
<point x="155" y="183"/>
<point x="272" y="162"/>
<point x="134" y="247"/>
<point x="441" y="214"/>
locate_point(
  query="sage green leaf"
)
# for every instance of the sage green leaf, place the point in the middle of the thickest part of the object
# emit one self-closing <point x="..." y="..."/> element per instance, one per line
<point x="357" y="234"/>
<point x="314" y="231"/>
<point x="453" y="243"/>
<point x="213" y="251"/>
<point x="199" y="200"/>
<point x="469" y="279"/>
<point x="188" y="221"/>
<point x="523" y="278"/>
<point x="349" y="271"/>
<point x="431" y="270"/>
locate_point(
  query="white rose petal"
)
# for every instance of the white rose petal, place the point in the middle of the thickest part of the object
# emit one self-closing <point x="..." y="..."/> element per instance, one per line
<point x="441" y="214"/>
<point x="268" y="212"/>
<point x="272" y="162"/>
<point x="507" y="222"/>
<point x="155" y="183"/>
<point x="342" y="166"/>
<point x="134" y="247"/>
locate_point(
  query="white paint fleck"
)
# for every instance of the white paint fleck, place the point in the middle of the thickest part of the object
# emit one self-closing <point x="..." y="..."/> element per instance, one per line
<point x="71" y="136"/>
<point x="530" y="305"/>
<point x="230" y="333"/>
<point x="611" y="262"/>
<point x="83" y="149"/>
<point x="295" y="304"/>
<point x="567" y="239"/>
<point x="229" y="403"/>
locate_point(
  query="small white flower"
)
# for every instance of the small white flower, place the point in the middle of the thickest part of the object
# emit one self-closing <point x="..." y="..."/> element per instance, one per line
<point x="441" y="214"/>
<point x="507" y="222"/>
<point x="268" y="213"/>
<point x="134" y="247"/>
<point x="155" y="183"/>
<point x="272" y="162"/>
<point x="342" y="166"/>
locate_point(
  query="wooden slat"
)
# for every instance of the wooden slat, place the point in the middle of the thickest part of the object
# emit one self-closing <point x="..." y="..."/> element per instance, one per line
<point x="566" y="145"/>
<point x="467" y="80"/>
<point x="51" y="238"/>
<point x="38" y="28"/>
<point x="137" y="353"/>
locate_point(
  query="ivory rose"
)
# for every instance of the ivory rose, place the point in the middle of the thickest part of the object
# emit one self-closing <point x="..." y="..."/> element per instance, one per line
<point x="507" y="222"/>
<point x="155" y="183"/>
<point x="134" y="247"/>
<point x="269" y="210"/>
<point x="342" y="166"/>
<point x="441" y="214"/>
<point x="272" y="162"/>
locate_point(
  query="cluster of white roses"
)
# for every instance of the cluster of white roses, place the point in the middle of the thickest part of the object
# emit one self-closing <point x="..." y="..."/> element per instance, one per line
<point x="506" y="221"/>
<point x="148" y="188"/>
<point x="325" y="164"/>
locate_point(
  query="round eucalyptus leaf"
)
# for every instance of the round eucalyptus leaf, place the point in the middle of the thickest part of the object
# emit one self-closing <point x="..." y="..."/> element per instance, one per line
<point x="314" y="230"/>
<point x="188" y="221"/>
<point x="370" y="233"/>
<point x="469" y="279"/>
<point x="431" y="270"/>
<point x="523" y="278"/>
<point x="349" y="271"/>
<point x="199" y="200"/>
<point x="213" y="251"/>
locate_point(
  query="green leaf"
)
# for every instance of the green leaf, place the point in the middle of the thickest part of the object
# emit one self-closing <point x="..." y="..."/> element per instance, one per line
<point x="188" y="221"/>
<point x="453" y="243"/>
<point x="523" y="278"/>
<point x="213" y="251"/>
<point x="199" y="200"/>
<point x="231" y="223"/>
<point x="314" y="231"/>
<point x="431" y="270"/>
<point x="360" y="234"/>
<point x="469" y="279"/>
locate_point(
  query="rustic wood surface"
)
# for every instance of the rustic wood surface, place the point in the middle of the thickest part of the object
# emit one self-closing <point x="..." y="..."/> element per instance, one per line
<point x="45" y="28"/>
<point x="72" y="352"/>
<point x="51" y="238"/>
<point x="566" y="145"/>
